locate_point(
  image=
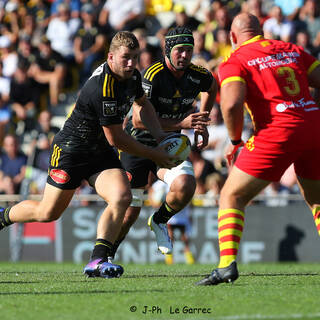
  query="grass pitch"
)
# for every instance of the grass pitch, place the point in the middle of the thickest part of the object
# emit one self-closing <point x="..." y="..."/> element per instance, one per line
<point x="39" y="291"/>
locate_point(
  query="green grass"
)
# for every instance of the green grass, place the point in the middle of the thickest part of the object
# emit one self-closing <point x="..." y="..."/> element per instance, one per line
<point x="32" y="291"/>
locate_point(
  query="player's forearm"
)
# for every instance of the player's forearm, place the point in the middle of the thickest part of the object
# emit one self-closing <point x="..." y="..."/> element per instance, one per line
<point x="208" y="98"/>
<point x="150" y="120"/>
<point x="126" y="143"/>
<point x="232" y="101"/>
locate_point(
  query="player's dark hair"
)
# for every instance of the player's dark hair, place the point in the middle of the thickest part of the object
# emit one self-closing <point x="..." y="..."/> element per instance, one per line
<point x="177" y="36"/>
<point x="124" y="39"/>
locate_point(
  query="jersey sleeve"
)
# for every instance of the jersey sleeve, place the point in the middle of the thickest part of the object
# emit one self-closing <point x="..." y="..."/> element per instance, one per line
<point x="140" y="90"/>
<point x="206" y="82"/>
<point x="230" y="71"/>
<point x="309" y="61"/>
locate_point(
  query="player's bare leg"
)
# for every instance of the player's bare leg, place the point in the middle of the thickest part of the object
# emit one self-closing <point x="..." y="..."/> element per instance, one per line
<point x="182" y="187"/>
<point x="238" y="190"/>
<point x="310" y="189"/>
<point x="50" y="208"/>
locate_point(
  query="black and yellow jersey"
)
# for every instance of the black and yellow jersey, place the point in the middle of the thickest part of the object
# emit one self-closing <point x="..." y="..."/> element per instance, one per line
<point x="102" y="101"/>
<point x="172" y="98"/>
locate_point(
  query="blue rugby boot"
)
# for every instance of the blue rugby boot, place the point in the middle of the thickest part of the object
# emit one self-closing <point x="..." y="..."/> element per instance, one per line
<point x="102" y="268"/>
<point x="220" y="275"/>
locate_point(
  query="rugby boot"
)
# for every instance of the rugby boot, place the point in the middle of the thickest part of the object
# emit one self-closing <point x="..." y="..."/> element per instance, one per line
<point x="220" y="275"/>
<point x="102" y="268"/>
<point x="163" y="240"/>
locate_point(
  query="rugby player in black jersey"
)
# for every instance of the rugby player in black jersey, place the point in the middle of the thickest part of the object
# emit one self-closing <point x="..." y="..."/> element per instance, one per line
<point x="83" y="149"/>
<point x="172" y="86"/>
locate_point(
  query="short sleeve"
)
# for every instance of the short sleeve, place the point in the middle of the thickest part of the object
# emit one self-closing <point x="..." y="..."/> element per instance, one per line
<point x="231" y="71"/>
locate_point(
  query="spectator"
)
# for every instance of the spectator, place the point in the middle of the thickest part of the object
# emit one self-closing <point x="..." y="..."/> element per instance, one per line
<point x="49" y="70"/>
<point x="303" y="40"/>
<point x="199" y="50"/>
<point x="24" y="98"/>
<point x="182" y="19"/>
<point x="44" y="126"/>
<point x="309" y="14"/>
<point x="255" y="7"/>
<point x="5" y="111"/>
<point x="127" y="16"/>
<point x="26" y="52"/>
<point x="4" y="85"/>
<point x="221" y="48"/>
<point x="218" y="139"/>
<point x="289" y="8"/>
<point x="61" y="31"/>
<point x="8" y="56"/>
<point x="12" y="165"/>
<point x="74" y="6"/>
<point x="40" y="11"/>
<point x="202" y="168"/>
<point x="223" y="21"/>
<point x="214" y="183"/>
<point x="89" y="43"/>
<point x="277" y="26"/>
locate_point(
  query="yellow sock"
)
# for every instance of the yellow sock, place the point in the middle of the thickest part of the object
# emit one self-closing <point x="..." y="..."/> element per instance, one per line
<point x="316" y="217"/>
<point x="189" y="257"/>
<point x="230" y="227"/>
<point x="168" y="258"/>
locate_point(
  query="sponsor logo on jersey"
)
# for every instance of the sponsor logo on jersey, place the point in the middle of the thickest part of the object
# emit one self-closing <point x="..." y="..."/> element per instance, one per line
<point x="147" y="89"/>
<point x="177" y="94"/>
<point x="193" y="79"/>
<point x="165" y="100"/>
<point x="109" y="108"/>
<point x="59" y="176"/>
<point x="301" y="103"/>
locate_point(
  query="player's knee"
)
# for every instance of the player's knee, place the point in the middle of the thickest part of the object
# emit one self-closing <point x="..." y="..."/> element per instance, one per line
<point x="46" y="215"/>
<point x="185" y="186"/>
<point x="123" y="200"/>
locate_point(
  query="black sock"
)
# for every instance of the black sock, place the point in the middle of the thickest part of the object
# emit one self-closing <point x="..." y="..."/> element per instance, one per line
<point x="102" y="249"/>
<point x="115" y="247"/>
<point x="4" y="218"/>
<point x="164" y="214"/>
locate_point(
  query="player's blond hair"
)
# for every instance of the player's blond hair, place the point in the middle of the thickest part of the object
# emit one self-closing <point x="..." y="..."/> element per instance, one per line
<point x="124" y="39"/>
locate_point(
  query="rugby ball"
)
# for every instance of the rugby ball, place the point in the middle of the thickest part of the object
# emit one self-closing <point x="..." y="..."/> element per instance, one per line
<point x="177" y="144"/>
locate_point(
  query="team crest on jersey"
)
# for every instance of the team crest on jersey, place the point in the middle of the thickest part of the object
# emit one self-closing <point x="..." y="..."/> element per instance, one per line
<point x="109" y="108"/>
<point x="147" y="89"/>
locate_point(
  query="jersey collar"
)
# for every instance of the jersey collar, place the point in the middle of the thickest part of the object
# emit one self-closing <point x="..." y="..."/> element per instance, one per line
<point x="254" y="39"/>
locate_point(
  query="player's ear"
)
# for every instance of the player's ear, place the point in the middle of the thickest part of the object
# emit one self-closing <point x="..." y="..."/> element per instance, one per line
<point x="233" y="39"/>
<point x="110" y="56"/>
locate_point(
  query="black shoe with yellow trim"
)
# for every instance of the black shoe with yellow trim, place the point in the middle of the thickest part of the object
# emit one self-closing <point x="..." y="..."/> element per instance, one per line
<point x="220" y="275"/>
<point x="4" y="217"/>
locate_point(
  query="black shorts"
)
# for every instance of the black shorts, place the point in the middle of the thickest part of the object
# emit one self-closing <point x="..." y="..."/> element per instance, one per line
<point x="137" y="169"/>
<point x="68" y="169"/>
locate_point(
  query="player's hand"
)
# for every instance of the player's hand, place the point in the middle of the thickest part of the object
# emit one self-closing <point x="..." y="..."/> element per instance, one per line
<point x="204" y="134"/>
<point x="197" y="120"/>
<point x="231" y="152"/>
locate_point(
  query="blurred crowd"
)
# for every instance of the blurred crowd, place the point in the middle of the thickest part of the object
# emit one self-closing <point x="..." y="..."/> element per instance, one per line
<point x="49" y="48"/>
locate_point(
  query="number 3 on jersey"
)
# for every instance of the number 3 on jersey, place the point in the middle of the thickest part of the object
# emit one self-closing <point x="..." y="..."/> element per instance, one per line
<point x="292" y="87"/>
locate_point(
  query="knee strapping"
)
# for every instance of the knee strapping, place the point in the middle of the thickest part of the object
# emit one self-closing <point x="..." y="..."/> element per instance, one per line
<point x="137" y="197"/>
